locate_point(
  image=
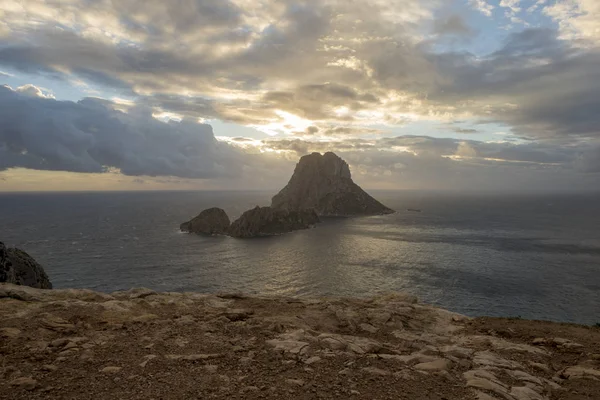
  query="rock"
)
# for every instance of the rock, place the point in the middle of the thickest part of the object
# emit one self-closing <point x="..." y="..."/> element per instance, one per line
<point x="368" y="328"/>
<point x="289" y="346"/>
<point x="356" y="344"/>
<point x="483" y="396"/>
<point x="540" y="367"/>
<point x="111" y="370"/>
<point x="70" y="345"/>
<point x="267" y="221"/>
<point x="19" y="268"/>
<point x="525" y="393"/>
<point x="87" y="355"/>
<point x="211" y="369"/>
<point x="295" y="382"/>
<point x="579" y="372"/>
<point x="489" y="359"/>
<point x="26" y="383"/>
<point x="436" y="365"/>
<point x="147" y="359"/>
<point x="324" y="183"/>
<point x="49" y="368"/>
<point x="135" y="293"/>
<point x="58" y="324"/>
<point x="312" y="360"/>
<point x="193" y="357"/>
<point x="238" y="315"/>
<point x="213" y="221"/>
<point x="145" y="318"/>
<point x="9" y="333"/>
<point x="458" y="352"/>
<point x="489" y="385"/>
<point x="376" y="371"/>
<point x="59" y="342"/>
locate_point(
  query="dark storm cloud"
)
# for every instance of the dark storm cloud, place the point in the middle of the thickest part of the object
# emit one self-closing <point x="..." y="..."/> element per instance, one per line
<point x="537" y="83"/>
<point x="89" y="136"/>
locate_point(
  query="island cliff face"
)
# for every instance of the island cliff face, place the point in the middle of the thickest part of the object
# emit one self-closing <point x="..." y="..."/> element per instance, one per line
<point x="267" y="221"/>
<point x="19" y="268"/>
<point x="324" y="183"/>
<point x="213" y="221"/>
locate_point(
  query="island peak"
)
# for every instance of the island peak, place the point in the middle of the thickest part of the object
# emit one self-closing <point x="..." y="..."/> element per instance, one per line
<point x="323" y="182"/>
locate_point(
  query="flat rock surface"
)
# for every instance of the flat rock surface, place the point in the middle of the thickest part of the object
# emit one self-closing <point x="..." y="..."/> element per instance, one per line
<point x="139" y="344"/>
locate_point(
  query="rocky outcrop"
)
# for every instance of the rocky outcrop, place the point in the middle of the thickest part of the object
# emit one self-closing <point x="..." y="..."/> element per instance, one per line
<point x="19" y="268"/>
<point x="213" y="221"/>
<point x="137" y="343"/>
<point x="267" y="221"/>
<point x="324" y="183"/>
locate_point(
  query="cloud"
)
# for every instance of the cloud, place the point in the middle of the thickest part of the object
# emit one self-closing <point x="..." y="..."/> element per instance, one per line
<point x="538" y="84"/>
<point x="513" y="5"/>
<point x="452" y="25"/>
<point x="89" y="136"/>
<point x="419" y="162"/>
<point x="482" y="6"/>
<point x="578" y="19"/>
<point x="316" y="74"/>
<point x="34" y="91"/>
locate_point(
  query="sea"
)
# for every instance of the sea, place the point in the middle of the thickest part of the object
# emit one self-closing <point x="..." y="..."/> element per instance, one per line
<point x="521" y="256"/>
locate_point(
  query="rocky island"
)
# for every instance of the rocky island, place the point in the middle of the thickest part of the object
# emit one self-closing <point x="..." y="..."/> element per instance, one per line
<point x="213" y="221"/>
<point x="142" y="344"/>
<point x="320" y="186"/>
<point x="267" y="221"/>
<point x="323" y="182"/>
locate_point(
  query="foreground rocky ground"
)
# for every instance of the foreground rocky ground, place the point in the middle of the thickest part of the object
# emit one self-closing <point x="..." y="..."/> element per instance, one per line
<point x="78" y="344"/>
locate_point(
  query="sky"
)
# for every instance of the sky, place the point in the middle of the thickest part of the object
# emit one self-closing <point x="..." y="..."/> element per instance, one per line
<point x="461" y="95"/>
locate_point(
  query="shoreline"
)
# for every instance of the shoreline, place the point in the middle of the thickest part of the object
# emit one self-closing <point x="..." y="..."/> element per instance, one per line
<point x="77" y="343"/>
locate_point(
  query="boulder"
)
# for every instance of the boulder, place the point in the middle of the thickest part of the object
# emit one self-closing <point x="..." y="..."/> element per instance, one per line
<point x="19" y="268"/>
<point x="213" y="221"/>
<point x="267" y="221"/>
<point x="324" y="183"/>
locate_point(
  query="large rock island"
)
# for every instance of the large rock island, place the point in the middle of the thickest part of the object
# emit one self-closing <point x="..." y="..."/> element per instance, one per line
<point x="19" y="268"/>
<point x="324" y="183"/>
<point x="320" y="186"/>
